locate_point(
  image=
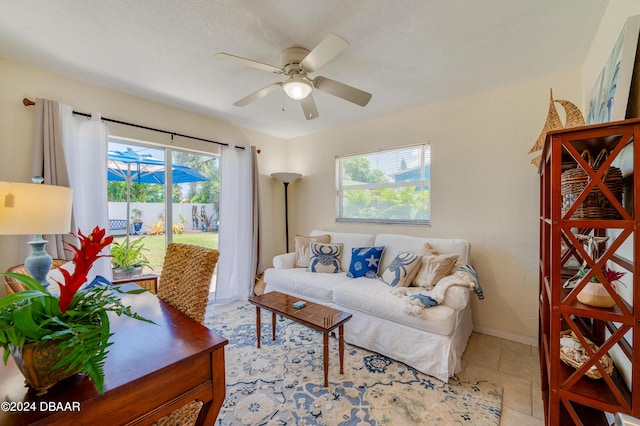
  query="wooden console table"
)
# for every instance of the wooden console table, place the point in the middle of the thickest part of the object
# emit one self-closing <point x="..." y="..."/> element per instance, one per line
<point x="151" y="370"/>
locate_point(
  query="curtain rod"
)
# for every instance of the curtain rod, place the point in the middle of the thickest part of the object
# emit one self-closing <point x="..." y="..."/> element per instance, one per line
<point x="29" y="102"/>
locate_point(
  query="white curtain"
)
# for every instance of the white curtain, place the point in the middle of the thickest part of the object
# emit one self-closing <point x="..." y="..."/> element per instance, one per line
<point x="48" y="162"/>
<point x="85" y="152"/>
<point x="256" y="235"/>
<point x="239" y="225"/>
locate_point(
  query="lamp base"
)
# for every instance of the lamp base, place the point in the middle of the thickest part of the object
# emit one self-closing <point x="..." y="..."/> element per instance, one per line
<point x="38" y="263"/>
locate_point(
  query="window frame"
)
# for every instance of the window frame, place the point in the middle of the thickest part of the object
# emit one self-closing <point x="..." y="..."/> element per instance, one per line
<point x="425" y="160"/>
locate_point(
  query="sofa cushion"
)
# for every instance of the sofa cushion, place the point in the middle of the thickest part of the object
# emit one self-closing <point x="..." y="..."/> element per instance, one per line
<point x="306" y="285"/>
<point x="349" y="241"/>
<point x="376" y="298"/>
<point x="325" y="257"/>
<point x="433" y="268"/>
<point x="365" y="262"/>
<point x="302" y="248"/>
<point x="394" y="243"/>
<point x="402" y="269"/>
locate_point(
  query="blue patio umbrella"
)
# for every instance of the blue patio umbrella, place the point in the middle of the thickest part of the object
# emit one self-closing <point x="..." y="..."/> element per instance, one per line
<point x="132" y="167"/>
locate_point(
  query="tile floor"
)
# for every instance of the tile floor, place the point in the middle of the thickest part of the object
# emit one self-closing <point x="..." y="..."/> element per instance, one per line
<point x="516" y="367"/>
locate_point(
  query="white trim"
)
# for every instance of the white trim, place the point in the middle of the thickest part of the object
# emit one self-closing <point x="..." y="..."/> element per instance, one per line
<point x="532" y="341"/>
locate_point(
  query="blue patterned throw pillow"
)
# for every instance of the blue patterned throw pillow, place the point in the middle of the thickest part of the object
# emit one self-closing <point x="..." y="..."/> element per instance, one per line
<point x="365" y="262"/>
<point x="402" y="269"/>
<point x="325" y="257"/>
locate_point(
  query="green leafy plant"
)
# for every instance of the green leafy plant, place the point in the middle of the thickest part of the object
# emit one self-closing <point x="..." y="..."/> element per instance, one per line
<point x="127" y="257"/>
<point x="77" y="319"/>
<point x="136" y="215"/>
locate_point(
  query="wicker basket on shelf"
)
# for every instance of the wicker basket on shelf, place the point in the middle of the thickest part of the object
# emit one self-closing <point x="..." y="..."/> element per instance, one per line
<point x="595" y="205"/>
<point x="573" y="354"/>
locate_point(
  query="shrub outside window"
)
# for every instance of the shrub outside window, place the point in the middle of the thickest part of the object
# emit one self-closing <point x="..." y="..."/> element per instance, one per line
<point x="388" y="186"/>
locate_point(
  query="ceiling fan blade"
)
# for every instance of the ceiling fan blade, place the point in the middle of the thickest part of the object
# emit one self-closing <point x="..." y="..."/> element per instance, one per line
<point x="257" y="95"/>
<point x="330" y="47"/>
<point x="341" y="90"/>
<point x="309" y="107"/>
<point x="248" y="62"/>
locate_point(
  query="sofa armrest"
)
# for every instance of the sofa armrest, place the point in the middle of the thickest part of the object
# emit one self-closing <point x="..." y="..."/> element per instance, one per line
<point x="284" y="261"/>
<point x="458" y="291"/>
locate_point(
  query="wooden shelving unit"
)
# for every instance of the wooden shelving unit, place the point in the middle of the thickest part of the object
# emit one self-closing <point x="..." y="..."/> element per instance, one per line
<point x="570" y="397"/>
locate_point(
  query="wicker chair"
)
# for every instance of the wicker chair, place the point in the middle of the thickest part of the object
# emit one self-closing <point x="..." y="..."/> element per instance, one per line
<point x="14" y="286"/>
<point x="184" y="283"/>
<point x="186" y="278"/>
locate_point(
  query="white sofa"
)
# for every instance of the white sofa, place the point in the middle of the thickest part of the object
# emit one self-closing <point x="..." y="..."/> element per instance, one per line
<point x="432" y="343"/>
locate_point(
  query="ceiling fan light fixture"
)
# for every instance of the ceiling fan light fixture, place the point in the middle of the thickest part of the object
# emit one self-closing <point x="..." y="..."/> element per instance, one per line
<point x="297" y="88"/>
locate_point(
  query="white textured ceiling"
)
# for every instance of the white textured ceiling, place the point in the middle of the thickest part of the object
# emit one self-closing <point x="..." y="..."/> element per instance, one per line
<point x="407" y="53"/>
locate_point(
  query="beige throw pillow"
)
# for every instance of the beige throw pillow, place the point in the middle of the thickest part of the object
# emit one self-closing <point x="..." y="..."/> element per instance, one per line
<point x="434" y="268"/>
<point x="302" y="249"/>
<point x="426" y="250"/>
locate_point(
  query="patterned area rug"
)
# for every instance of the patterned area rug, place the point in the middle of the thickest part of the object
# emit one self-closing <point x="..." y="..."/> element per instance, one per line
<point x="282" y="383"/>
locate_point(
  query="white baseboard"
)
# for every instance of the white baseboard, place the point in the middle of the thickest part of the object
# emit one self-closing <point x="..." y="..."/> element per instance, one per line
<point x="532" y="341"/>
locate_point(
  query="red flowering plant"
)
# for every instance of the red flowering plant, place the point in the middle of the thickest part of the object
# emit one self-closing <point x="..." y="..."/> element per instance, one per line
<point x="608" y="273"/>
<point x="77" y="319"/>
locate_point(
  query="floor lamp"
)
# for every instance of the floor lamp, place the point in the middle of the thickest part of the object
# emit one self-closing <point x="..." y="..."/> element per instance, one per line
<point x="286" y="179"/>
<point x="35" y="209"/>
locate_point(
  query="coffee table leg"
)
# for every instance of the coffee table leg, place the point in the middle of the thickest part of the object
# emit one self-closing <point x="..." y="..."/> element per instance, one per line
<point x="341" y="347"/>
<point x="258" y="325"/>
<point x="273" y="326"/>
<point x="326" y="358"/>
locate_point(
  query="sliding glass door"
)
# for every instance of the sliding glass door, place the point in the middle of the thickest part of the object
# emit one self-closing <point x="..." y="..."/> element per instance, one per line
<point x="160" y="195"/>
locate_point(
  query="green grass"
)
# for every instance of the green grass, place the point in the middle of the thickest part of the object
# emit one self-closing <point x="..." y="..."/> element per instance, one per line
<point x="156" y="245"/>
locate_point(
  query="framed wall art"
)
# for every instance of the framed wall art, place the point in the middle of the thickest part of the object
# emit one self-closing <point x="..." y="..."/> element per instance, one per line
<point x="610" y="94"/>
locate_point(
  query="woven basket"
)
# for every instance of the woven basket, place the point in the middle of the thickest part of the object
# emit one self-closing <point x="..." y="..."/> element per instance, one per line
<point x="574" y="355"/>
<point x="596" y="205"/>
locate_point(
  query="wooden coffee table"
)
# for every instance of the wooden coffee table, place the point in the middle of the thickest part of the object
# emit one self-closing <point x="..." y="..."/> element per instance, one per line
<point x="312" y="315"/>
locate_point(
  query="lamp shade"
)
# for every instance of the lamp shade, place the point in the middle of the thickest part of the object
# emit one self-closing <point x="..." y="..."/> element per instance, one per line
<point x="31" y="208"/>
<point x="297" y="88"/>
<point x="286" y="177"/>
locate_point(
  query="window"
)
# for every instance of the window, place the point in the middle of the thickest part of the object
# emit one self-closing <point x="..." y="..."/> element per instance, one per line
<point x="390" y="186"/>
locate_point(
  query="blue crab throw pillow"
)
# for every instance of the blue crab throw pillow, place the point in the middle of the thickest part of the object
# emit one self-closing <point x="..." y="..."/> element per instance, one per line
<point x="325" y="257"/>
<point x="402" y="269"/>
<point x="365" y="262"/>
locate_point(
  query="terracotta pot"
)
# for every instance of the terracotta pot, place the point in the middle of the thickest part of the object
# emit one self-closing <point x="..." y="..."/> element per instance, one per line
<point x="594" y="294"/>
<point x="36" y="361"/>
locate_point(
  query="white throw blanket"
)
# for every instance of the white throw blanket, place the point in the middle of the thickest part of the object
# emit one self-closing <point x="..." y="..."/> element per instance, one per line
<point x="416" y="304"/>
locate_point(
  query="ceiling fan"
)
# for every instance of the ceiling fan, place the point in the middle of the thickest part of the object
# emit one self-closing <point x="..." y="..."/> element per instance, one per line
<point x="296" y="64"/>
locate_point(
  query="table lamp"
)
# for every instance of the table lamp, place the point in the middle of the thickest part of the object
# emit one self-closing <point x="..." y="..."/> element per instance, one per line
<point x="33" y="208"/>
<point x="286" y="178"/>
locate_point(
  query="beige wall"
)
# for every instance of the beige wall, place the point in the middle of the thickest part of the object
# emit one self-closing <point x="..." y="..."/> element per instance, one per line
<point x="18" y="81"/>
<point x="483" y="187"/>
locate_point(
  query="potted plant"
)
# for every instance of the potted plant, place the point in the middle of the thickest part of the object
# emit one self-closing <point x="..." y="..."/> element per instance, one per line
<point x="136" y="216"/>
<point x="594" y="293"/>
<point x="128" y="260"/>
<point x="52" y="338"/>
